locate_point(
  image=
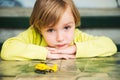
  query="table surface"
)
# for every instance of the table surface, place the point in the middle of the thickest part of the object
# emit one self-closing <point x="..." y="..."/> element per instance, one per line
<point x="105" y="68"/>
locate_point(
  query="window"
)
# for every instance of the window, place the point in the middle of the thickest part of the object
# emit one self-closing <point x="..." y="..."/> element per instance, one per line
<point x="79" y="3"/>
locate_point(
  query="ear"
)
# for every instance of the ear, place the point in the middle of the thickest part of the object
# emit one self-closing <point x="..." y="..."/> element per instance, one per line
<point x="39" y="31"/>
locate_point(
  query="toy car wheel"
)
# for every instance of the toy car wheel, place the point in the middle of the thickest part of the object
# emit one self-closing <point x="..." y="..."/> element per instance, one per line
<point x="40" y="71"/>
<point x="51" y="71"/>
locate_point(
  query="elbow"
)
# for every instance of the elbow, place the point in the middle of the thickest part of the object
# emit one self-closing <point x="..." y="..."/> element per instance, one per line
<point x="5" y="56"/>
<point x="111" y="48"/>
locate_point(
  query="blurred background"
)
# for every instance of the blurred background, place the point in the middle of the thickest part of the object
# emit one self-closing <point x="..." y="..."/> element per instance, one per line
<point x="98" y="17"/>
<point x="79" y="3"/>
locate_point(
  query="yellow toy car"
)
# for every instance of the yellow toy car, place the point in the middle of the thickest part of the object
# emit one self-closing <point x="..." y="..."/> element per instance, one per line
<point x="43" y="68"/>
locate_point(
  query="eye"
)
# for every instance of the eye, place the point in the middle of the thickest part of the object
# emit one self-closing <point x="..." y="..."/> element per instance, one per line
<point x="67" y="27"/>
<point x="50" y="30"/>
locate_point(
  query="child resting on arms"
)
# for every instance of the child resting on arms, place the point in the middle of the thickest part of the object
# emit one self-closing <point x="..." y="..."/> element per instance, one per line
<point x="53" y="35"/>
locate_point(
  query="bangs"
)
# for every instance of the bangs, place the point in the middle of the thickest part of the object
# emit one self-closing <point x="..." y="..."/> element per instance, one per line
<point x="52" y="13"/>
<point x="47" y="13"/>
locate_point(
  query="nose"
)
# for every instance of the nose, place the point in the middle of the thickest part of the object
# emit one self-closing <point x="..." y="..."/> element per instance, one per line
<point x="59" y="37"/>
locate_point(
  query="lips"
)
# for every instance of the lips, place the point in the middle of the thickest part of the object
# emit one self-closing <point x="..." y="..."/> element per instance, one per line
<point x="61" y="46"/>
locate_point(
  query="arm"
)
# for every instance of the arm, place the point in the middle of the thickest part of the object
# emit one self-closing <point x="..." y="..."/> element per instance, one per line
<point x="66" y="53"/>
<point x="60" y="56"/>
<point x="70" y="50"/>
<point x="24" y="47"/>
<point x="91" y="46"/>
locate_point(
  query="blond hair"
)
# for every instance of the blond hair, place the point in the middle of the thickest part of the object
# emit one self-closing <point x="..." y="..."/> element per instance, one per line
<point x="48" y="12"/>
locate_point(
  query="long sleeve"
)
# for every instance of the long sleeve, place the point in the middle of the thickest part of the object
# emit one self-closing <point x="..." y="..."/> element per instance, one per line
<point x="91" y="46"/>
<point x="25" y="46"/>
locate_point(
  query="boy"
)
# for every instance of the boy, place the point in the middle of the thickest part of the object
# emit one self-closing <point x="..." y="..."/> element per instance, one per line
<point x="53" y="35"/>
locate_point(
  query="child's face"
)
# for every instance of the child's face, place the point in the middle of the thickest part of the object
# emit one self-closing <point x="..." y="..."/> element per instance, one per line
<point x="61" y="35"/>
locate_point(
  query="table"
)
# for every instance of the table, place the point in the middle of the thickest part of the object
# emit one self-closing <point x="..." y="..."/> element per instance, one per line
<point x="98" y="68"/>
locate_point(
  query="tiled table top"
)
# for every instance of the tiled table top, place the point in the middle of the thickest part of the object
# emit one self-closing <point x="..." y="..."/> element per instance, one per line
<point x="107" y="68"/>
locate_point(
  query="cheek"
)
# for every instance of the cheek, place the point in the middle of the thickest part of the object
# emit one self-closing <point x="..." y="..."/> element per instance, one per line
<point x="49" y="40"/>
<point x="70" y="36"/>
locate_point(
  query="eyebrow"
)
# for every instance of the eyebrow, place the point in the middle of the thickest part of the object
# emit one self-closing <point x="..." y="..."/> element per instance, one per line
<point x="69" y="23"/>
<point x="63" y="24"/>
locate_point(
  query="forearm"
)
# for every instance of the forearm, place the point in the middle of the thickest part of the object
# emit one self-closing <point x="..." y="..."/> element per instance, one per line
<point x="60" y="56"/>
<point x="101" y="46"/>
<point x="70" y="50"/>
<point x="66" y="53"/>
<point x="22" y="51"/>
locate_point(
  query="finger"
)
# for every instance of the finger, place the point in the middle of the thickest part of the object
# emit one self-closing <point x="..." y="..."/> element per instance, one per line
<point x="51" y="49"/>
<point x="53" y="56"/>
<point x="72" y="57"/>
<point x="55" y="52"/>
<point x="66" y="56"/>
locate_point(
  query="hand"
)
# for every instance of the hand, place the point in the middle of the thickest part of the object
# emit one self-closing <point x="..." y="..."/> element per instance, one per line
<point x="69" y="50"/>
<point x="67" y="53"/>
<point x="60" y="56"/>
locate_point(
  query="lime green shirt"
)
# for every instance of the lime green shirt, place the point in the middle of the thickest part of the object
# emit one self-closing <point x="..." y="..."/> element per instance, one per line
<point x="30" y="45"/>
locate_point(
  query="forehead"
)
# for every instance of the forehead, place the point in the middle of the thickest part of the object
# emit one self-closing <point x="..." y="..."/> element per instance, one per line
<point x="67" y="16"/>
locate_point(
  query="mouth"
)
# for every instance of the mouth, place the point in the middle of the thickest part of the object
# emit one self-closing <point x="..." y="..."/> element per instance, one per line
<point x="61" y="46"/>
